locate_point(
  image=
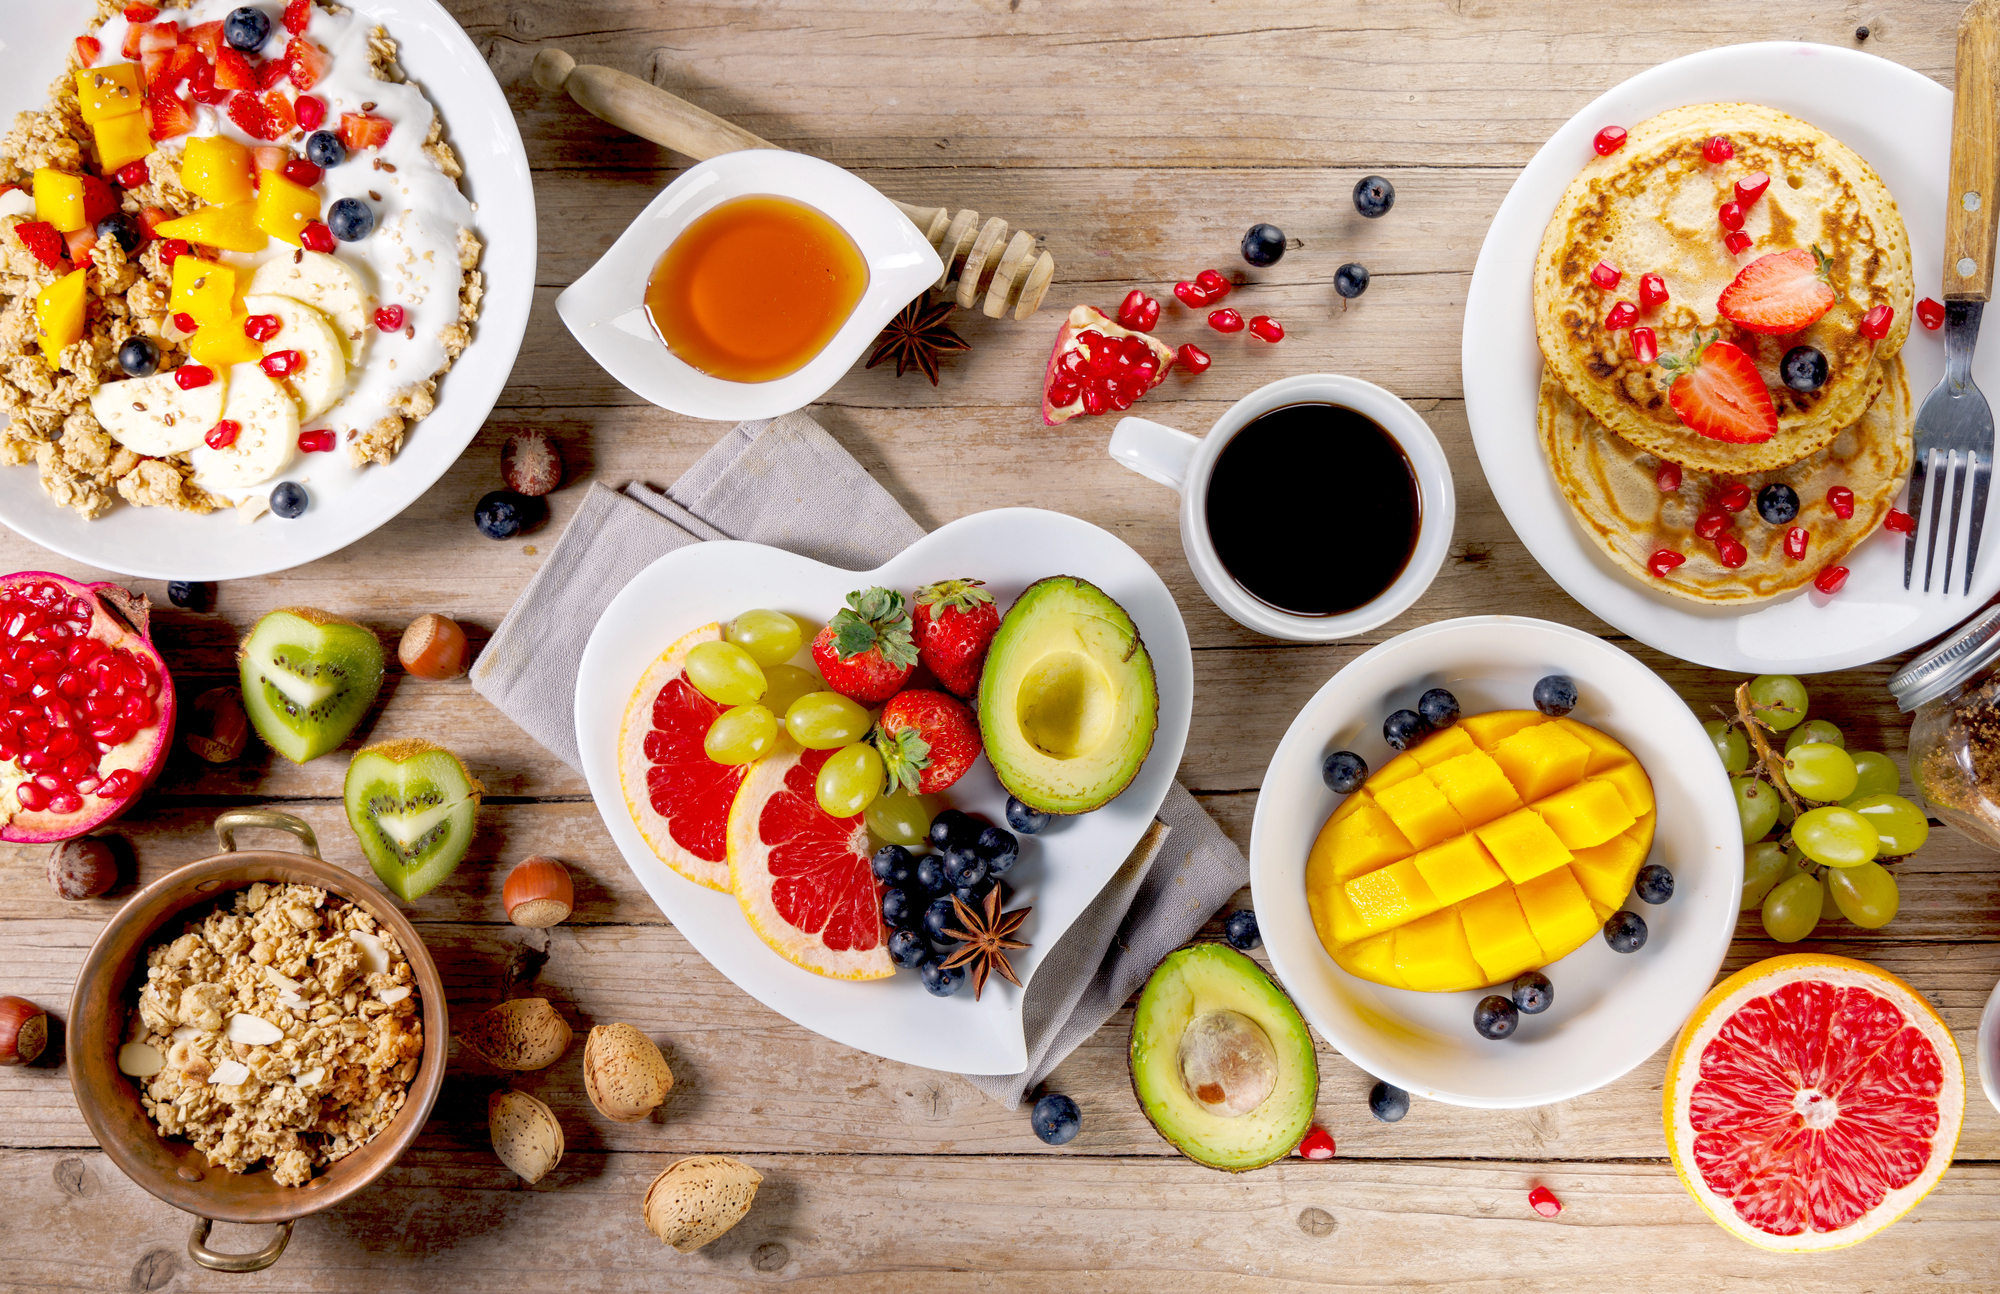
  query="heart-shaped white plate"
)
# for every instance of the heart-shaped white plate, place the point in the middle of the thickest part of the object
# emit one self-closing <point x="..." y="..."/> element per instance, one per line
<point x="1061" y="870"/>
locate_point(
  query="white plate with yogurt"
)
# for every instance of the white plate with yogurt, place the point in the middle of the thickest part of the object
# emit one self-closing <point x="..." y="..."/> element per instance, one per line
<point x="416" y="225"/>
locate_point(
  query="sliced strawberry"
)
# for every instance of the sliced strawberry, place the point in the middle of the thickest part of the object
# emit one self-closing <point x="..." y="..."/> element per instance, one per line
<point x="88" y="50"/>
<point x="271" y="73"/>
<point x="133" y="32"/>
<point x="207" y="37"/>
<point x="202" y="86"/>
<point x="278" y="110"/>
<point x="41" y="238"/>
<point x="156" y="36"/>
<point x="153" y="69"/>
<point x="298" y="16"/>
<point x="306" y="63"/>
<point x="270" y="157"/>
<point x="141" y="12"/>
<point x="98" y="201"/>
<point x="170" y="117"/>
<point x="233" y="71"/>
<point x="359" y="130"/>
<point x="247" y="111"/>
<point x="165" y="70"/>
<point x="79" y="242"/>
<point x="1779" y="293"/>
<point x="151" y="218"/>
<point x="1719" y="394"/>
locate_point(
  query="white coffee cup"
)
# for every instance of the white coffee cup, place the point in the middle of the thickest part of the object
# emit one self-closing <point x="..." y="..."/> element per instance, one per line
<point x="1185" y="463"/>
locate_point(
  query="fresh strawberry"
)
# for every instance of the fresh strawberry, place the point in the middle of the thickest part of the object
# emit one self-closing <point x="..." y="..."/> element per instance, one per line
<point x="269" y="74"/>
<point x="1720" y="394"/>
<point x="157" y="36"/>
<point x="954" y="622"/>
<point x="1779" y="293"/>
<point x="247" y="111"/>
<point x="298" y="16"/>
<point x="270" y="157"/>
<point x="88" y="50"/>
<point x="170" y="117"/>
<point x="233" y="71"/>
<point x="359" y="130"/>
<point x="305" y="63"/>
<point x="41" y="238"/>
<point x="202" y="87"/>
<point x="278" y="111"/>
<point x="927" y="740"/>
<point x="98" y="200"/>
<point x="866" y="652"/>
<point x="80" y="242"/>
<point x="206" y="37"/>
<point x="141" y="12"/>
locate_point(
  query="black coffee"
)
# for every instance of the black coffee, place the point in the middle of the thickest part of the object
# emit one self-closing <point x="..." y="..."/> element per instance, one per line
<point x="1314" y="509"/>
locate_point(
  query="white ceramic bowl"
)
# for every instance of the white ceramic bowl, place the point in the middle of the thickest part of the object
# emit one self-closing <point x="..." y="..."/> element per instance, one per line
<point x="1988" y="1047"/>
<point x="1611" y="1011"/>
<point x="606" y="308"/>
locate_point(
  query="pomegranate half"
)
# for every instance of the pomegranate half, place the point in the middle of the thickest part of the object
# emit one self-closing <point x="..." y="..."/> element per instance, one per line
<point x="86" y="705"/>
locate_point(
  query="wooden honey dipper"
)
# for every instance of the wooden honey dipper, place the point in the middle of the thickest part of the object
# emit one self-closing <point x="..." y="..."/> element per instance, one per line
<point x="1020" y="279"/>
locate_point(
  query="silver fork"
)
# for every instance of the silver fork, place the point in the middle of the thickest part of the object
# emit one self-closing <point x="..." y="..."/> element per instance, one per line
<point x="1954" y="434"/>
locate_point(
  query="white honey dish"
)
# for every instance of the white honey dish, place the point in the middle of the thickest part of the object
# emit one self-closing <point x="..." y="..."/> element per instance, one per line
<point x="606" y="308"/>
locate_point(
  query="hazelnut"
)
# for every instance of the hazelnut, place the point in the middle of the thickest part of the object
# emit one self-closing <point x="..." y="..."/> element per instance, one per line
<point x="529" y="463"/>
<point x="624" y="1073"/>
<point x="82" y="868"/>
<point x="525" y="1134"/>
<point x="216" y="728"/>
<point x="526" y="1033"/>
<point x="24" y="1031"/>
<point x="434" y="647"/>
<point x="538" y="893"/>
<point x="699" y="1198"/>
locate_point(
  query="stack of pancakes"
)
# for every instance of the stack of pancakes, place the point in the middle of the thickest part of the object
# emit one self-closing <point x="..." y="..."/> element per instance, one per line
<point x="1606" y="421"/>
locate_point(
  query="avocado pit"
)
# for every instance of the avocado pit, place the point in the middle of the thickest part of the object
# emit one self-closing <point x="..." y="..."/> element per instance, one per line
<point x="1228" y="1064"/>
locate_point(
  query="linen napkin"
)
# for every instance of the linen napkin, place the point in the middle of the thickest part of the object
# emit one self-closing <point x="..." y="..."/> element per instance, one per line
<point x="785" y="482"/>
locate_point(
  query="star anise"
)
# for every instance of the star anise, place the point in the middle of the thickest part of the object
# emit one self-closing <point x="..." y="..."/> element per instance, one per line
<point x="917" y="336"/>
<point x="986" y="940"/>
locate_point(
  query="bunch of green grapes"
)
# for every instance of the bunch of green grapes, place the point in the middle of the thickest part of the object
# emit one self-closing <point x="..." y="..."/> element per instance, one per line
<point x="1852" y="817"/>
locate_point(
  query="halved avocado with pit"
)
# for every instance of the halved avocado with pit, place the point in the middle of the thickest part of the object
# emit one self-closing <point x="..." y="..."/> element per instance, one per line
<point x="1068" y="703"/>
<point x="1222" y="1063"/>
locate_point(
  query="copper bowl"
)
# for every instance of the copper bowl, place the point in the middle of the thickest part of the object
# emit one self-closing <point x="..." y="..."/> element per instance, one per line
<point x="103" y="999"/>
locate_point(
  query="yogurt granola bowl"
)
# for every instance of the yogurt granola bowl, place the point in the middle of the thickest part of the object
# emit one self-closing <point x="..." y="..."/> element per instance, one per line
<point x="344" y="1057"/>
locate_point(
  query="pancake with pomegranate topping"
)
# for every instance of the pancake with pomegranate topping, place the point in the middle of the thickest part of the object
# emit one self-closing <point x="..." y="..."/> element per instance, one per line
<point x="1652" y="207"/>
<point x="1613" y="490"/>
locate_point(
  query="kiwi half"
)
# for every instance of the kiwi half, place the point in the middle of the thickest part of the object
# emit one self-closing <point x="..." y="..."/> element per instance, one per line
<point x="412" y="805"/>
<point x="308" y="677"/>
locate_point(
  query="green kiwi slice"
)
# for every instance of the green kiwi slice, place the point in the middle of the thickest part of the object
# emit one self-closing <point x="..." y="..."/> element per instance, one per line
<point x="412" y="805"/>
<point x="308" y="678"/>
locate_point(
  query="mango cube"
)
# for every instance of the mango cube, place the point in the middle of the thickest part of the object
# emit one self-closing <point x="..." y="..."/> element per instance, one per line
<point x="1432" y="955"/>
<point x="233" y="228"/>
<point x="1420" y="811"/>
<point x="218" y="170"/>
<point x="205" y="290"/>
<point x="1632" y="784"/>
<point x="1373" y="959"/>
<point x="122" y="140"/>
<point x="59" y="315"/>
<point x="1438" y="747"/>
<point x="225" y="343"/>
<point x="1458" y="869"/>
<point x="1586" y="814"/>
<point x="103" y="93"/>
<point x="1400" y="769"/>
<point x="1523" y="845"/>
<point x="1476" y="788"/>
<point x="1558" y="911"/>
<point x="1498" y="725"/>
<point x="1541" y="759"/>
<point x="284" y="209"/>
<point x="1351" y="804"/>
<point x="59" y="199"/>
<point x="1391" y="896"/>
<point x="1497" y="932"/>
<point x="1360" y="842"/>
<point x="1607" y="871"/>
<point x="1604" y="750"/>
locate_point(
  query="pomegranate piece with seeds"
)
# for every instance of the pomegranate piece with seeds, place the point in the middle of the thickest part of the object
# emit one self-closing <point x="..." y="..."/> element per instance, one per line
<point x="315" y="442"/>
<point x="1609" y="140"/>
<point x="1097" y="366"/>
<point x="1138" y="311"/>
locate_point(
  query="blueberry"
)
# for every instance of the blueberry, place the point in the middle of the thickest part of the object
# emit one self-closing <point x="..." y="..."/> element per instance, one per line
<point x="350" y="220"/>
<point x="963" y="866"/>
<point x="951" y="826"/>
<point x="1373" y="196"/>
<point x="1402" y="728"/>
<point x="1056" y="1119"/>
<point x="1656" y="883"/>
<point x="939" y="917"/>
<point x="1804" y="368"/>
<point x="898" y="910"/>
<point x="139" y="357"/>
<point x="1495" y="1016"/>
<point x="1264" y="245"/>
<point x="1625" y="932"/>
<point x="288" y="499"/>
<point x="504" y="514"/>
<point x="1388" y="1102"/>
<point x="324" y="149"/>
<point x="191" y="596"/>
<point x="1778" y="504"/>
<point x="908" y="949"/>
<point x="1241" y="930"/>
<point x="1438" y="707"/>
<point x="1555" y="694"/>
<point x="998" y="849"/>
<point x="1344" y="772"/>
<point x="1023" y="819"/>
<point x="974" y="896"/>
<point x="930" y="875"/>
<point x="246" y="29"/>
<point x="941" y="982"/>
<point x="1533" y="992"/>
<point x="123" y="228"/>
<point x="1350" y="280"/>
<point x="893" y="864"/>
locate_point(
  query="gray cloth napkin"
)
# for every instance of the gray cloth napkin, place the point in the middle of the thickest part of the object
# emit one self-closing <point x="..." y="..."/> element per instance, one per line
<point x="786" y="483"/>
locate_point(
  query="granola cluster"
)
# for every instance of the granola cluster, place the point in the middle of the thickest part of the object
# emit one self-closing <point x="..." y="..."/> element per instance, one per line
<point x="287" y="1028"/>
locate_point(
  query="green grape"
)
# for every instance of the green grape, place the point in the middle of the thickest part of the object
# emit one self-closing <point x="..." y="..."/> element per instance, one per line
<point x="1787" y="815"/>
<point x="1792" y="909"/>
<point x="901" y="818"/>
<point x="1784" y="696"/>
<point x="1815" y="730"/>
<point x="1901" y="825"/>
<point x="785" y="684"/>
<point x="1820" y="771"/>
<point x="1865" y="895"/>
<point x="850" y="780"/>
<point x="1730" y="746"/>
<point x="1756" y="804"/>
<point x="1836" y="837"/>
<point x="741" y="734"/>
<point x="1764" y="865"/>
<point x="1874" y="774"/>
<point x="771" y="637"/>
<point x="724" y="673"/>
<point x="826" y="720"/>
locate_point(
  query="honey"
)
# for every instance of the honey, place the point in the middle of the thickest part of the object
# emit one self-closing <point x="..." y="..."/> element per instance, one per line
<point x="754" y="288"/>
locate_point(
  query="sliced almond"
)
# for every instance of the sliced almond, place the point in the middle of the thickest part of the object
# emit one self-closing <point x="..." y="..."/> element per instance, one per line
<point x="283" y="983"/>
<point x="140" y="1060"/>
<point x="254" y="1030"/>
<point x="624" y="1073"/>
<point x="525" y="1134"/>
<point x="310" y="1077"/>
<point x="374" y="956"/>
<point x="699" y="1198"/>
<point x="229" y="1073"/>
<point x="526" y="1033"/>
<point x="391" y="996"/>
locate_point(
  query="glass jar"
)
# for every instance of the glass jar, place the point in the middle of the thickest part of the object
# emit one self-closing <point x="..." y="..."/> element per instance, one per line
<point x="1955" y="737"/>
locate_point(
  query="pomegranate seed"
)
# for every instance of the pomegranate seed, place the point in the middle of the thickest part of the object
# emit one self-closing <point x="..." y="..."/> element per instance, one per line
<point x="1795" y="542"/>
<point x="137" y="711"/>
<point x="189" y="377"/>
<point x="1063" y="394"/>
<point x="1899" y="521"/>
<point x="1318" y="1144"/>
<point x="1191" y="294"/>
<point x="1652" y="291"/>
<point x="65" y="744"/>
<point x="390" y="318"/>
<point x="301" y="172"/>
<point x="1738" y="242"/>
<point x="101" y="705"/>
<point x="46" y="661"/>
<point x="317" y="237"/>
<point x="1609" y="140"/>
<point x="1735" y="497"/>
<point x="73" y="684"/>
<point x="1730" y="553"/>
<point x="1544" y="1201"/>
<point x="1225" y="320"/>
<point x="65" y="802"/>
<point x="1731" y="215"/>
<point x="1830" y="579"/>
<point x="1214" y="284"/>
<point x="1718" y="150"/>
<point x="34" y="761"/>
<point x="315" y="442"/>
<point x="1645" y="347"/>
<point x="74" y="764"/>
<point x="1668" y="478"/>
<point x="121" y="781"/>
<point x="88" y="784"/>
<point x="311" y="111"/>
<point x="223" y="434"/>
<point x="1605" y="276"/>
<point x="1751" y="187"/>
<point x="132" y="175"/>
<point x="281" y="362"/>
<point x="1930" y="314"/>
<point x="1711" y="525"/>
<point x="261" y="327"/>
<point x="1139" y="312"/>
<point x="33" y="798"/>
<point x="1094" y="401"/>
<point x="1841" y="500"/>
<point x="1193" y="357"/>
<point x="1662" y="562"/>
<point x="1875" y="324"/>
<point x="1266" y="328"/>
<point x="173" y="249"/>
<point x="1621" y="316"/>
<point x="185" y="322"/>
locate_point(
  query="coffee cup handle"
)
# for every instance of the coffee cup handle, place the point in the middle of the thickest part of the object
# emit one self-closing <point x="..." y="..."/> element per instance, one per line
<point x="1156" y="452"/>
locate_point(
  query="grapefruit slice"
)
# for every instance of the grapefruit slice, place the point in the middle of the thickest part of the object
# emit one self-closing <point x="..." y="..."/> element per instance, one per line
<point x="1811" y="1101"/>
<point x="678" y="797"/>
<point x="802" y="875"/>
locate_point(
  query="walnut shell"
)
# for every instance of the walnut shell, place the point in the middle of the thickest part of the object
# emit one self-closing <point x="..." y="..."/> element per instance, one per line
<point x="699" y="1198"/>
<point x="526" y="1033"/>
<point x="525" y="1134"/>
<point x="625" y="1075"/>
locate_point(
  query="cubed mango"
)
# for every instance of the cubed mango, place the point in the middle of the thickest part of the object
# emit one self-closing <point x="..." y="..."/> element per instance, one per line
<point x="1558" y="911"/>
<point x="1350" y="804"/>
<point x="284" y="209"/>
<point x="1586" y="814"/>
<point x="1373" y="959"/>
<point x="1420" y="811"/>
<point x="59" y="199"/>
<point x="1497" y="933"/>
<point x="1498" y="725"/>
<point x="112" y="91"/>
<point x="1523" y="845"/>
<point x="1400" y="769"/>
<point x="1390" y="896"/>
<point x="1440" y="746"/>
<point x="1458" y="869"/>
<point x="1475" y="786"/>
<point x="218" y="169"/>
<point x="204" y="289"/>
<point x="1607" y="871"/>
<point x="1432" y="955"/>
<point x="223" y="344"/>
<point x="1360" y="842"/>
<point x="1541" y="760"/>
<point x="1632" y="784"/>
<point x="1604" y="750"/>
<point x="233" y="228"/>
<point x="121" y="140"/>
<point x="59" y="315"/>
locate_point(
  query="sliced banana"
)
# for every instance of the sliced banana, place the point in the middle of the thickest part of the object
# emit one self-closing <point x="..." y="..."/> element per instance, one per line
<point x="268" y="422"/>
<point x="327" y="284"/>
<point x="322" y="374"/>
<point x="153" y="416"/>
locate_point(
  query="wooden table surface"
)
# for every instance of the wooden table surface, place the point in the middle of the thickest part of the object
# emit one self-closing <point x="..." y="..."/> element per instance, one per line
<point x="1140" y="140"/>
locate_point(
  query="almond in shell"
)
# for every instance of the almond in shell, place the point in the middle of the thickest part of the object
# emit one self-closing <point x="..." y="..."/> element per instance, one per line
<point x="624" y="1073"/>
<point x="698" y="1199"/>
<point x="525" y="1134"/>
<point x="526" y="1033"/>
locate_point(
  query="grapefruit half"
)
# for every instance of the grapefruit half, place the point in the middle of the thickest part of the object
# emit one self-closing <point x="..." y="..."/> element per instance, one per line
<point x="678" y="797"/>
<point x="802" y="875"/>
<point x="1811" y="1101"/>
